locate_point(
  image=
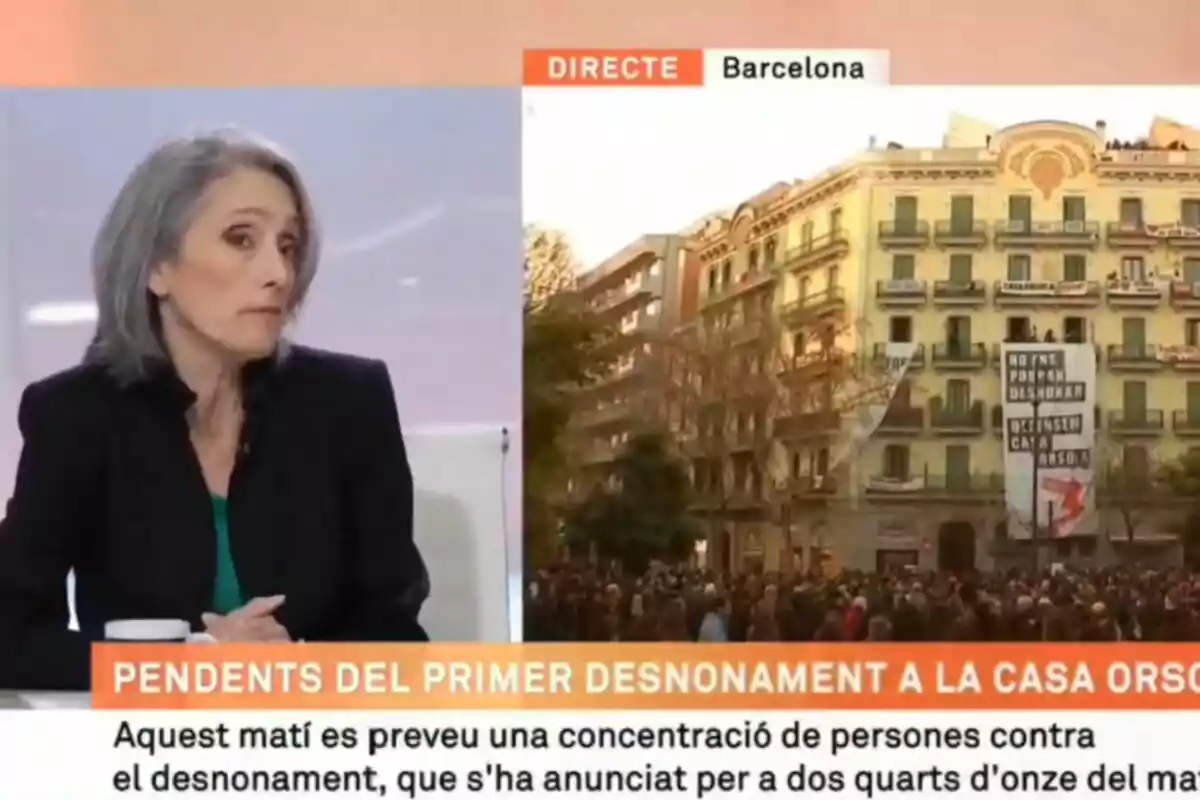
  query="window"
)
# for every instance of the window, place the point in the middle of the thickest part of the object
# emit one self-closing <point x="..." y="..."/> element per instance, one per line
<point x="1191" y="270"/>
<point x="958" y="394"/>
<point x="903" y="395"/>
<point x="1135" y="463"/>
<point x="1074" y="209"/>
<point x="821" y="467"/>
<point x="961" y="268"/>
<point x="806" y="234"/>
<point x="835" y="220"/>
<point x="712" y="280"/>
<point x="833" y="276"/>
<point x="1018" y="329"/>
<point x="1133" y="268"/>
<point x="1193" y="401"/>
<point x="896" y="461"/>
<point x="1133" y="334"/>
<point x="799" y="344"/>
<point x="1133" y="399"/>
<point x="900" y="329"/>
<point x="769" y="252"/>
<point x="904" y="267"/>
<point x="1189" y="211"/>
<point x="1074" y="267"/>
<point x="962" y="214"/>
<point x="726" y="273"/>
<point x="805" y="287"/>
<point x="958" y="467"/>
<point x="1131" y="211"/>
<point x="906" y="214"/>
<point x="752" y="260"/>
<point x="1191" y="332"/>
<point x="1019" y="267"/>
<point x="1020" y="208"/>
<point x="1074" y="330"/>
<point x="958" y="334"/>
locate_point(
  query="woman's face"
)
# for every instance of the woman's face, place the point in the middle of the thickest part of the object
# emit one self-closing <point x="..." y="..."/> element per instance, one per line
<point x="233" y="278"/>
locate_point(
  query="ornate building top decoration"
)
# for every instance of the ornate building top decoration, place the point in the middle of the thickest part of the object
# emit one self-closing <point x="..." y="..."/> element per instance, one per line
<point x="1047" y="154"/>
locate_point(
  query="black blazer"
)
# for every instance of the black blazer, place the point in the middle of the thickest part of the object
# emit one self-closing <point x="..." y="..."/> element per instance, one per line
<point x="320" y="510"/>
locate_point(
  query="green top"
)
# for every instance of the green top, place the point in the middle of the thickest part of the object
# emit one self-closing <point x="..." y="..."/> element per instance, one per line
<point x="227" y="591"/>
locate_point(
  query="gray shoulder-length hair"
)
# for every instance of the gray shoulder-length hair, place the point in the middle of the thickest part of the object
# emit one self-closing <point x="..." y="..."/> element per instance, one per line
<point x="145" y="226"/>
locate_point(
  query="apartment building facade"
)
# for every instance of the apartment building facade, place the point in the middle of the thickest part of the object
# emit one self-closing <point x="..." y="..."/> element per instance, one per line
<point x="638" y="292"/>
<point x="1041" y="232"/>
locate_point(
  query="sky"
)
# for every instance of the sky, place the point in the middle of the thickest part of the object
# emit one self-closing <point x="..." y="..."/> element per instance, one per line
<point x="607" y="165"/>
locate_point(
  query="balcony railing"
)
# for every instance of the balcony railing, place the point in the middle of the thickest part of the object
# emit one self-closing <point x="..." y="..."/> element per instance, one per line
<point x="831" y="245"/>
<point x="1185" y="422"/>
<point x="880" y="355"/>
<point x="1142" y="422"/>
<point x="962" y="355"/>
<point x="1132" y="294"/>
<point x="954" y="418"/>
<point x="1128" y="234"/>
<point x="1067" y="233"/>
<point x="960" y="484"/>
<point x="808" y="424"/>
<point x="962" y="233"/>
<point x="950" y="292"/>
<point x="903" y="233"/>
<point x="1133" y="356"/>
<point x="901" y="292"/>
<point x="829" y="301"/>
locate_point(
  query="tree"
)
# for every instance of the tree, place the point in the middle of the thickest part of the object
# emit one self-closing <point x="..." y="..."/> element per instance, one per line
<point x="566" y="347"/>
<point x="1134" y="491"/>
<point x="1180" y="482"/>
<point x="645" y="516"/>
<point x="551" y="268"/>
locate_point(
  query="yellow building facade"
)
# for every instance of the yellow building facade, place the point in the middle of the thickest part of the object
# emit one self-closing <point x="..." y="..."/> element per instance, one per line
<point x="1040" y="231"/>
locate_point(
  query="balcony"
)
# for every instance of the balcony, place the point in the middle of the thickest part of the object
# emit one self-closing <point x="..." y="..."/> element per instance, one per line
<point x="1132" y="294"/>
<point x="810" y="488"/>
<point x="1131" y="234"/>
<point x="747" y="440"/>
<point x="1185" y="294"/>
<point x="1047" y="293"/>
<point x="925" y="487"/>
<point x="901" y="294"/>
<point x="947" y="420"/>
<point x="1145" y="423"/>
<point x="813" y="308"/>
<point x="902" y="420"/>
<point x="1186" y="424"/>
<point x="959" y="293"/>
<point x="808" y="367"/>
<point x="1178" y="235"/>
<point x="742" y="285"/>
<point x="808" y="425"/>
<point x="959" y="233"/>
<point x="1026" y="233"/>
<point x="1134" y="358"/>
<point x="1181" y="357"/>
<point x="898" y="234"/>
<point x="884" y="356"/>
<point x="959" y="356"/>
<point x="832" y="246"/>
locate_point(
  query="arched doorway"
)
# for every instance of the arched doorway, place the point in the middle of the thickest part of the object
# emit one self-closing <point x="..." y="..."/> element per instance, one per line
<point x="956" y="547"/>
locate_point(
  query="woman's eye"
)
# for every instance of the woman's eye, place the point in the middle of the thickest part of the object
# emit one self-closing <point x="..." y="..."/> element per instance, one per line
<point x="240" y="239"/>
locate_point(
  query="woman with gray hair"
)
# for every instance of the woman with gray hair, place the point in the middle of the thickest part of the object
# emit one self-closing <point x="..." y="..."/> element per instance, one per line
<point x="196" y="467"/>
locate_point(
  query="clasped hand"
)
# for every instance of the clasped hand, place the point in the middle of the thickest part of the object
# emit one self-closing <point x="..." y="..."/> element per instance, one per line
<point x="253" y="622"/>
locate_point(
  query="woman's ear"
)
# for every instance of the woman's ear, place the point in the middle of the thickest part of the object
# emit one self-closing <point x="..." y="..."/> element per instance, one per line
<point x="159" y="283"/>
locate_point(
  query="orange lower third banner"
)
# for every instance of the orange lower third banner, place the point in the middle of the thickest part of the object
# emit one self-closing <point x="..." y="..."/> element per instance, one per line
<point x="646" y="677"/>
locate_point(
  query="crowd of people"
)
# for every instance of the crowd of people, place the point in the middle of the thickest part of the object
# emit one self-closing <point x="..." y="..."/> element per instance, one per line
<point x="582" y="603"/>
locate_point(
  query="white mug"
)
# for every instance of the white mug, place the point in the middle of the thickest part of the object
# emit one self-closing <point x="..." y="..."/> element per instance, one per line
<point x="152" y="630"/>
